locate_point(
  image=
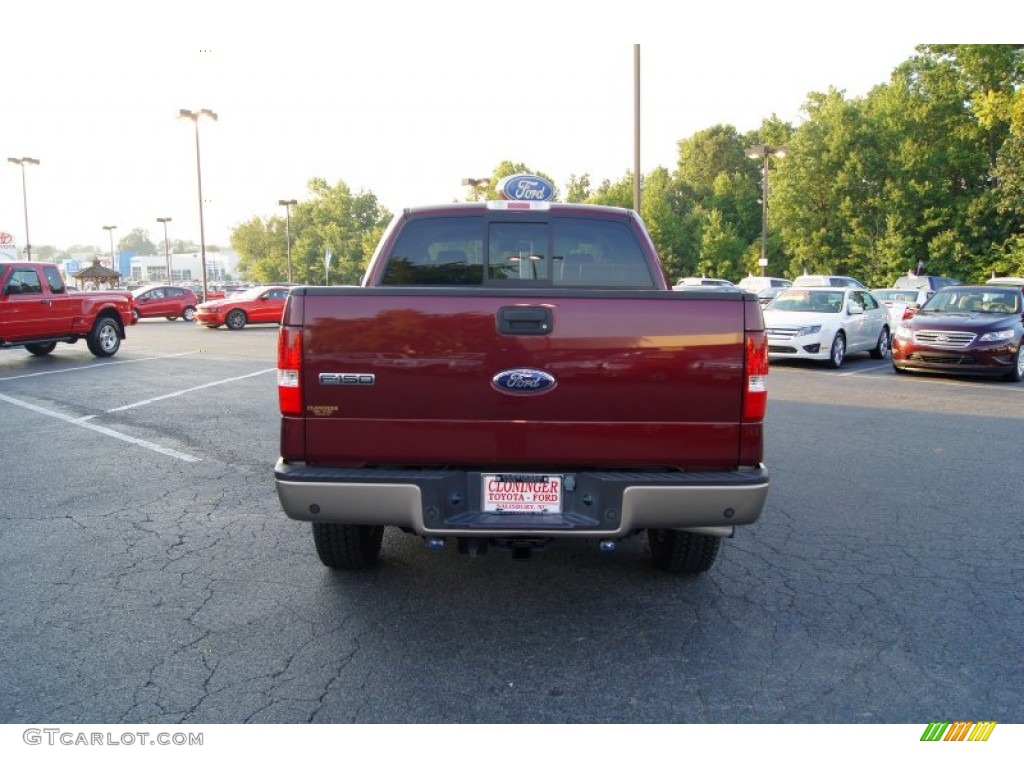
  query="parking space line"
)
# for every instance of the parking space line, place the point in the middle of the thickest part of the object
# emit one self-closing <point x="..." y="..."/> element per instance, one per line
<point x="186" y="391"/>
<point x="879" y="367"/>
<point x="96" y="365"/>
<point x="102" y="430"/>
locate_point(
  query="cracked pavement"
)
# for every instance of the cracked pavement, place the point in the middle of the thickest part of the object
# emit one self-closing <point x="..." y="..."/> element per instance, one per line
<point x="881" y="585"/>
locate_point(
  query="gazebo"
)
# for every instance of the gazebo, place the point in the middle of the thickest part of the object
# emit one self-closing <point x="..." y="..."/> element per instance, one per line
<point x="97" y="277"/>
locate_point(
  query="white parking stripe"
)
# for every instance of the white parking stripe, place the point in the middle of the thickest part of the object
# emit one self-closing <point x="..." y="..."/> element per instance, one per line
<point x="102" y="430"/>
<point x="190" y="389"/>
<point x="95" y="365"/>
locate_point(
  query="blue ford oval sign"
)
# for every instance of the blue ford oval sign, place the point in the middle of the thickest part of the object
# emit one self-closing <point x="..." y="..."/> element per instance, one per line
<point x="523" y="381"/>
<point x="526" y="187"/>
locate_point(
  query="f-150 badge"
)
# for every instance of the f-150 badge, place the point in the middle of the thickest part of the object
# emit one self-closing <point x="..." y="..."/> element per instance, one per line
<point x="523" y="381"/>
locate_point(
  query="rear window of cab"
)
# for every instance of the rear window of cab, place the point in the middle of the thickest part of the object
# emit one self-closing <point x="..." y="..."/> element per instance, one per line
<point x="474" y="250"/>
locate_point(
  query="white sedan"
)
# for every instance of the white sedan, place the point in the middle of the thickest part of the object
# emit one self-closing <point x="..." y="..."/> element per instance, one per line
<point x="826" y="324"/>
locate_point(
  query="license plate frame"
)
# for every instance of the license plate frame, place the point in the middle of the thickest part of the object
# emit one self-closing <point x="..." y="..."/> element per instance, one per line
<point x="522" y="493"/>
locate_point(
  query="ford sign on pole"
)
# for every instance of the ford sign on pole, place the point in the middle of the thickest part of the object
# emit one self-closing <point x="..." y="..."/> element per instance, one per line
<point x="526" y="187"/>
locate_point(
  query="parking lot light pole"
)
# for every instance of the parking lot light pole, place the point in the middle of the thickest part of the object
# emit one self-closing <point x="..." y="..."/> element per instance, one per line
<point x="110" y="230"/>
<point x="288" y="231"/>
<point x="478" y="185"/>
<point x="763" y="152"/>
<point x="167" y="250"/>
<point x="194" y="117"/>
<point x="22" y="161"/>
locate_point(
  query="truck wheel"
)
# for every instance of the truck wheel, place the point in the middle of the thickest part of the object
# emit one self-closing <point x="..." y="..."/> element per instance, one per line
<point x="189" y="314"/>
<point x="104" y="340"/>
<point x="838" y="353"/>
<point x="235" y="320"/>
<point x="348" y="547"/>
<point x="43" y="349"/>
<point x="882" y="347"/>
<point x="682" y="551"/>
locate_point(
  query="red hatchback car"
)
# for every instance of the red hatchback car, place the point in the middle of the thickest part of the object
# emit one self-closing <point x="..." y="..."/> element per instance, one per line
<point x="256" y="305"/>
<point x="170" y="301"/>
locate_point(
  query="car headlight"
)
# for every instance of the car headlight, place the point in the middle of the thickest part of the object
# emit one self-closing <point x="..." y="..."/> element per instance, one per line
<point x="998" y="335"/>
<point x="904" y="333"/>
<point x="809" y="330"/>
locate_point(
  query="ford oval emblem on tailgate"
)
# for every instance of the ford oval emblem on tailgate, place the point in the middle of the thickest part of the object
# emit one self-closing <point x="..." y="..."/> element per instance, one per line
<point x="523" y="381"/>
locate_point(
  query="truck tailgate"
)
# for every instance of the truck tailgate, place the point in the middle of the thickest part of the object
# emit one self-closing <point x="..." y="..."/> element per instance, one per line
<point x="641" y="378"/>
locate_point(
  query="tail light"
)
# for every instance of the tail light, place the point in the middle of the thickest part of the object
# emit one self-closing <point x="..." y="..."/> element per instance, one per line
<point x="909" y="311"/>
<point x="289" y="366"/>
<point x="755" y="398"/>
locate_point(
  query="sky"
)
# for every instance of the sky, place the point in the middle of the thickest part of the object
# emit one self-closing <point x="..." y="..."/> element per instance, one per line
<point x="400" y="99"/>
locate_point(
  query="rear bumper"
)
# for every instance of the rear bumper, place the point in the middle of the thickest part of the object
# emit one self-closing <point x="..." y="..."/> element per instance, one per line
<point x="448" y="502"/>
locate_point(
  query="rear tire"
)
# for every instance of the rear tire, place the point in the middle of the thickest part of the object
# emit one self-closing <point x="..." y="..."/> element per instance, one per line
<point x="348" y="547"/>
<point x="682" y="551"/>
<point x="42" y="349"/>
<point x="882" y="346"/>
<point x="105" y="337"/>
<point x="189" y="314"/>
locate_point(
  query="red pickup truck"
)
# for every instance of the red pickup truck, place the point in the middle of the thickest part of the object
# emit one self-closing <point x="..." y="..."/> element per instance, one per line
<point x="37" y="310"/>
<point x="514" y="373"/>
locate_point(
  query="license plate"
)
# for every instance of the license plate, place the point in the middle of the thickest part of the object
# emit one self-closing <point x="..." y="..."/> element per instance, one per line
<point x="518" y="494"/>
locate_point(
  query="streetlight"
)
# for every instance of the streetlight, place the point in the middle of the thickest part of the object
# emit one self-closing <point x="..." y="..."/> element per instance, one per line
<point x="167" y="250"/>
<point x="763" y="151"/>
<point x="194" y="117"/>
<point x="110" y="230"/>
<point x="288" y="231"/>
<point x="636" y="128"/>
<point x="24" y="197"/>
<point x="476" y="184"/>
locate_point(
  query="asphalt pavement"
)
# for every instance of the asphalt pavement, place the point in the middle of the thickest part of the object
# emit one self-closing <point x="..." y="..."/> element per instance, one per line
<point x="149" y="575"/>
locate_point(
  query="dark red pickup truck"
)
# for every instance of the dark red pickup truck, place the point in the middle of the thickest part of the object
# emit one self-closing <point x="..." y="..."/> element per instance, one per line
<point x="510" y="374"/>
<point x="37" y="311"/>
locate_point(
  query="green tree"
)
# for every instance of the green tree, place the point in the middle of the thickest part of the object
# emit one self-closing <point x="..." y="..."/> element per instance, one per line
<point x="349" y="224"/>
<point x="137" y="241"/>
<point x="721" y="249"/>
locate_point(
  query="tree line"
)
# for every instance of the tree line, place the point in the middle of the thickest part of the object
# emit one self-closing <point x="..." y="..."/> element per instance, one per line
<point x="924" y="173"/>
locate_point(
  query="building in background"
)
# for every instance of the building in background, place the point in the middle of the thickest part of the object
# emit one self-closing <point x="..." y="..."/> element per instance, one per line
<point x="221" y="266"/>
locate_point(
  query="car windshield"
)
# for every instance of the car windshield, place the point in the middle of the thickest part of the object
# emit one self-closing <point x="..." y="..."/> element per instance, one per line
<point x="795" y="300"/>
<point x="908" y="297"/>
<point x="249" y="294"/>
<point x="969" y="300"/>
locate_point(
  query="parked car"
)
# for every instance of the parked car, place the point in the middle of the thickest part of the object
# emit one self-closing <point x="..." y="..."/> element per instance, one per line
<point x="1018" y="281"/>
<point x="170" y="301"/>
<point x="901" y="303"/>
<point x="691" y="281"/>
<point x="765" y="295"/>
<point x="973" y="329"/>
<point x="826" y="324"/>
<point x="256" y="305"/>
<point x="924" y="282"/>
<point x="757" y="284"/>
<point x="839" y="281"/>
